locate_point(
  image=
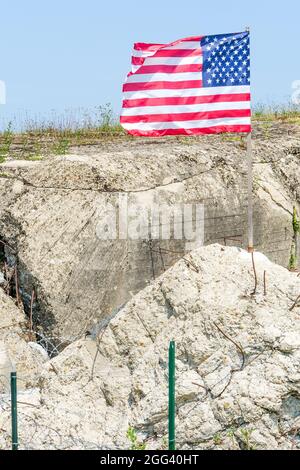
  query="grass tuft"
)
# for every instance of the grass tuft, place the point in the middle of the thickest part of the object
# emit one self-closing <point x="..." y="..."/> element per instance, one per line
<point x="287" y="113"/>
<point x="54" y="135"/>
<point x="38" y="137"/>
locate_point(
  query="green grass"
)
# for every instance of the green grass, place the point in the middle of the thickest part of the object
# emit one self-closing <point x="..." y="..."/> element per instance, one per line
<point x="5" y="143"/>
<point x="288" y="113"/>
<point x="34" y="158"/>
<point x="55" y="134"/>
<point x="39" y="136"/>
<point x="35" y="144"/>
<point x="61" y="147"/>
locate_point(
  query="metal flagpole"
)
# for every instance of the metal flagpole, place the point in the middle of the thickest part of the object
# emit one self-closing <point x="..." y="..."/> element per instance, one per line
<point x="250" y="187"/>
<point x="250" y="192"/>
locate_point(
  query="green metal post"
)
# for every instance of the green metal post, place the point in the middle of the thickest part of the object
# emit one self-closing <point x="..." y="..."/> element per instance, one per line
<point x="14" y="413"/>
<point x="172" y="403"/>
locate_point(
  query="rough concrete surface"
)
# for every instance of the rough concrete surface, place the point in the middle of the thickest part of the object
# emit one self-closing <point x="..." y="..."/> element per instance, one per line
<point x="16" y="350"/>
<point x="51" y="210"/>
<point x="237" y="364"/>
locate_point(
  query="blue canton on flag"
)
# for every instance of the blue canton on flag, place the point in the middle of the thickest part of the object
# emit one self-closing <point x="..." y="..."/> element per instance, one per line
<point x="226" y="60"/>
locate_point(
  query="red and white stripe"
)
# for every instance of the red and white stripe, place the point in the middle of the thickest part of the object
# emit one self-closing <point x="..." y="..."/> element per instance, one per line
<point x="164" y="94"/>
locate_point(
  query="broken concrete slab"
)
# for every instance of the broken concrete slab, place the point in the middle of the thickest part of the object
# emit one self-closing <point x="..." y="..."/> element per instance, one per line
<point x="237" y="365"/>
<point x="51" y="212"/>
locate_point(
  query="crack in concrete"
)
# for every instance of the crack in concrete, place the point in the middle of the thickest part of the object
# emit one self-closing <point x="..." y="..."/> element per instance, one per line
<point x="274" y="200"/>
<point x="116" y="190"/>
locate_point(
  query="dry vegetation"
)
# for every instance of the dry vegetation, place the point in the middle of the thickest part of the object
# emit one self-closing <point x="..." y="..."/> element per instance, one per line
<point x="34" y="138"/>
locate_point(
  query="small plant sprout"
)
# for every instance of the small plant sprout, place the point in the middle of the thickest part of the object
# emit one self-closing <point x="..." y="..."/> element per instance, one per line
<point x="296" y="222"/>
<point x="231" y="435"/>
<point x="218" y="439"/>
<point x="246" y="437"/>
<point x="135" y="443"/>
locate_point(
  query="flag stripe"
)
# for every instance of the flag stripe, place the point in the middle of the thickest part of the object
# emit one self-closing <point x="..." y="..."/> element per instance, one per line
<point x="178" y="53"/>
<point x="191" y="108"/>
<point x="193" y="124"/>
<point x="183" y="45"/>
<point x="228" y="113"/>
<point x="172" y="69"/>
<point x="189" y="100"/>
<point x="168" y="53"/>
<point x="195" y="59"/>
<point x="163" y="77"/>
<point x="194" y="38"/>
<point x="240" y="128"/>
<point x="194" y="90"/>
<point x="142" y="54"/>
<point x="162" y="85"/>
<point x="137" y="60"/>
<point x="142" y="46"/>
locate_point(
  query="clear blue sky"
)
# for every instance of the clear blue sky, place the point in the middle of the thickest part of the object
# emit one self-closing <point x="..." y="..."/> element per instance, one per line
<point x="70" y="53"/>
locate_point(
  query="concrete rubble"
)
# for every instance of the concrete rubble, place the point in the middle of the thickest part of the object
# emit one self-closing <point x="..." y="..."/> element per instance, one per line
<point x="237" y="364"/>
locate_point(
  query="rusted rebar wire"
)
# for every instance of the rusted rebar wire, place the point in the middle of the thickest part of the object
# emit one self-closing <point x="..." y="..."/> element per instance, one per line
<point x="295" y="303"/>
<point x="17" y="286"/>
<point x="190" y="263"/>
<point x="6" y="244"/>
<point x="162" y="258"/>
<point x="237" y="345"/>
<point x="97" y="352"/>
<point x="150" y="245"/>
<point x="31" y="314"/>
<point x="164" y="250"/>
<point x="233" y="371"/>
<point x="255" y="274"/>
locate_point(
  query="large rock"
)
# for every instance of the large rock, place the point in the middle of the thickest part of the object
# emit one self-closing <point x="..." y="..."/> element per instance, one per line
<point x="237" y="364"/>
<point x="17" y="349"/>
<point x="51" y="211"/>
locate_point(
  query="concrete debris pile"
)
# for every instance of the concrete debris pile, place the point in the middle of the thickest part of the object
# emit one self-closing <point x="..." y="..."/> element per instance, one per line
<point x="237" y="364"/>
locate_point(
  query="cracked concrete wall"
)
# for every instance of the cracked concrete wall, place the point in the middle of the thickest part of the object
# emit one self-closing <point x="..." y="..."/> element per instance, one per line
<point x="50" y="211"/>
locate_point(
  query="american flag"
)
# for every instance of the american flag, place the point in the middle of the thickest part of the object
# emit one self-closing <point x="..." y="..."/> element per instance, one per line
<point x="197" y="85"/>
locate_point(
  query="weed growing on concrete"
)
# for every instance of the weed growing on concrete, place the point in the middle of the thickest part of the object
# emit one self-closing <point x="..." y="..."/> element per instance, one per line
<point x="135" y="443"/>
